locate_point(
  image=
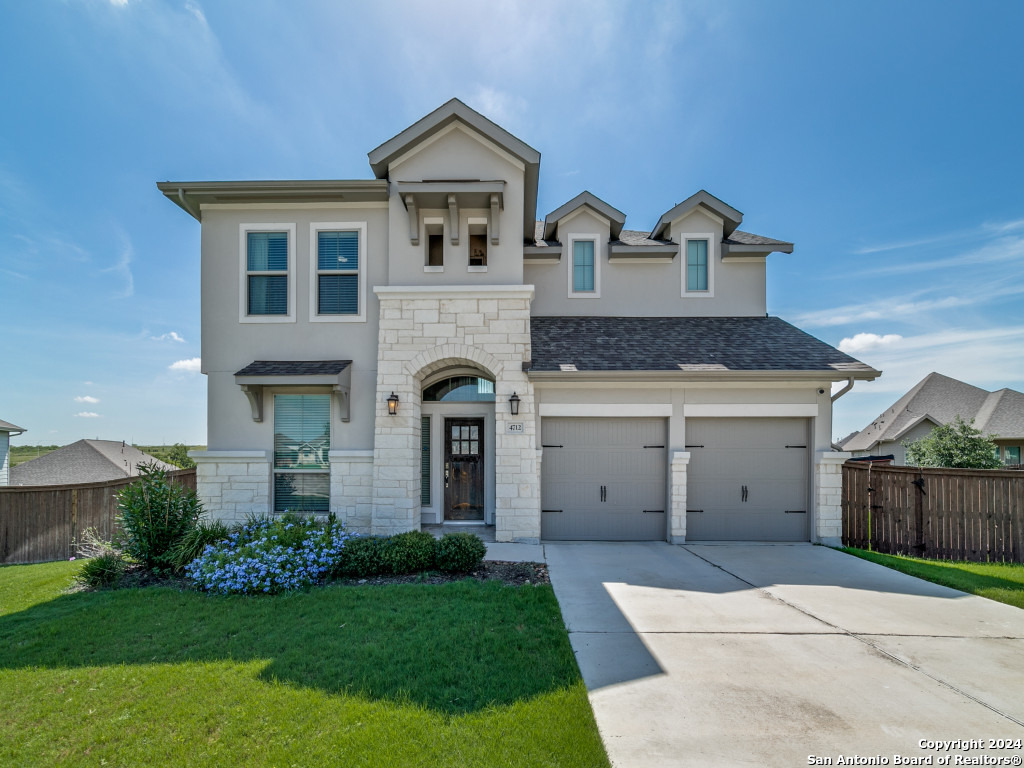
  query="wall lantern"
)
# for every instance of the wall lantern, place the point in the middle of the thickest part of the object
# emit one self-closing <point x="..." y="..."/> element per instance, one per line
<point x="513" y="404"/>
<point x="392" y="404"/>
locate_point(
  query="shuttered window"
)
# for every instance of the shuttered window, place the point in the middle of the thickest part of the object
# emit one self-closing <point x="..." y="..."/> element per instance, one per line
<point x="267" y="273"/>
<point x="583" y="266"/>
<point x="337" y="263"/>
<point x="425" y="461"/>
<point x="696" y="265"/>
<point x="302" y="442"/>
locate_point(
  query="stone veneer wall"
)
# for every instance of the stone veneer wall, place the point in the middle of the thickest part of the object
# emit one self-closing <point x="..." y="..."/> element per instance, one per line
<point x="677" y="514"/>
<point x="233" y="485"/>
<point x="828" y="498"/>
<point x="424" y="330"/>
<point x="352" y="489"/>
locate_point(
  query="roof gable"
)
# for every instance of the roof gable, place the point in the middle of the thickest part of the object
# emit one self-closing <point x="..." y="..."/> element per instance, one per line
<point x="730" y="216"/>
<point x="616" y="218"/>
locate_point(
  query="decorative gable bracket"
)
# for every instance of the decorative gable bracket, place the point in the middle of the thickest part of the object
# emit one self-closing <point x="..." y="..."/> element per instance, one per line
<point x="452" y="196"/>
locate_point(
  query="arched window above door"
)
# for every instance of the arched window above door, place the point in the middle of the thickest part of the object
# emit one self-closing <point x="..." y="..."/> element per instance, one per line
<point x="460" y="389"/>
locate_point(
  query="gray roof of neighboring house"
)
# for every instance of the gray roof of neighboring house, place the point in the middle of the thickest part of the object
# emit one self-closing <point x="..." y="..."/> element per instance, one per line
<point x="294" y="368"/>
<point x="6" y="426"/>
<point x="940" y="399"/>
<point x="684" y="345"/>
<point x="87" y="461"/>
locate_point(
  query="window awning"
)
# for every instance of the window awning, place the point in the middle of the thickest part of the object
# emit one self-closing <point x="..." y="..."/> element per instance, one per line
<point x="336" y="374"/>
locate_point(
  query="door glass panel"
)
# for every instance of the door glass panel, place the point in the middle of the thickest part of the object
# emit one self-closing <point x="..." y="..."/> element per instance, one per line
<point x="474" y="433"/>
<point x="473" y="450"/>
<point x="455" y="433"/>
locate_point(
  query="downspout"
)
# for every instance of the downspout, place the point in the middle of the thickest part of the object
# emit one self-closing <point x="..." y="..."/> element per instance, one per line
<point x="186" y="205"/>
<point x="844" y="390"/>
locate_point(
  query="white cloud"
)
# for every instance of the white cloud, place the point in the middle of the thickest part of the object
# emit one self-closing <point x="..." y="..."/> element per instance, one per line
<point x="499" y="106"/>
<point x="171" y="336"/>
<point x="119" y="3"/>
<point x="88" y="383"/>
<point x="87" y="415"/>
<point x="123" y="268"/>
<point x="862" y="342"/>
<point x="192" y="365"/>
<point x="87" y="399"/>
<point x="881" y="309"/>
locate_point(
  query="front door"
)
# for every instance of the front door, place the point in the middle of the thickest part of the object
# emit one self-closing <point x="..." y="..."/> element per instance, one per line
<point x="464" y="469"/>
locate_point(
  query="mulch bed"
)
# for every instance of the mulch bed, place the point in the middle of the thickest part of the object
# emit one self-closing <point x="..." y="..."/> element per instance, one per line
<point x="512" y="574"/>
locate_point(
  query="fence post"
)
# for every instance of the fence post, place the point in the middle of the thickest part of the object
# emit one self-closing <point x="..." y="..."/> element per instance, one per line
<point x="919" y="514"/>
<point x="74" y="519"/>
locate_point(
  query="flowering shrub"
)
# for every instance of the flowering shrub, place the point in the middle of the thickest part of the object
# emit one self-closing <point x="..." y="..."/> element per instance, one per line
<point x="267" y="556"/>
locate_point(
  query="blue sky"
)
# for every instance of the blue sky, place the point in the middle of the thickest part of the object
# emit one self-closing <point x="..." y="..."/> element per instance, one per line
<point x="884" y="139"/>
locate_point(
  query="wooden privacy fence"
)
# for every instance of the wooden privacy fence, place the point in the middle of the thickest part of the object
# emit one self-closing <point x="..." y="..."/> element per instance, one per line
<point x="39" y="522"/>
<point x="946" y="514"/>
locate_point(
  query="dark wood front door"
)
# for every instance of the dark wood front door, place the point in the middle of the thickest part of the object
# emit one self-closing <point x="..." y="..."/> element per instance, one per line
<point x="463" y="469"/>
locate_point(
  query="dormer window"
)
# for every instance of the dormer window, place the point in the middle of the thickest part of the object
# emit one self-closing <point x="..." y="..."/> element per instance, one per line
<point x="477" y="245"/>
<point x="698" y="266"/>
<point x="584" y="268"/>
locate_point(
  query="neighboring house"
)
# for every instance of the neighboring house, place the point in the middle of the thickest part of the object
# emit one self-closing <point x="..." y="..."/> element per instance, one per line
<point x="557" y="379"/>
<point x="87" y="461"/>
<point x="6" y="430"/>
<point x="936" y="400"/>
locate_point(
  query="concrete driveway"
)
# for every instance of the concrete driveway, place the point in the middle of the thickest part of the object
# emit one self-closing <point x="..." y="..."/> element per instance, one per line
<point x="751" y="654"/>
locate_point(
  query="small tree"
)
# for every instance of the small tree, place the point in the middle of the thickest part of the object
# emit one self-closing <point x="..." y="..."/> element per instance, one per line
<point x="957" y="444"/>
<point x="154" y="515"/>
<point x="178" y="455"/>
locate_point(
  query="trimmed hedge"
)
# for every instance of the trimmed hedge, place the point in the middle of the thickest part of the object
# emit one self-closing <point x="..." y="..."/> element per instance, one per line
<point x="460" y="552"/>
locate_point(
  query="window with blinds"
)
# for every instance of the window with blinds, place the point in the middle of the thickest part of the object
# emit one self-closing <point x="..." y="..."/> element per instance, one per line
<point x="583" y="266"/>
<point x="425" y="461"/>
<point x="267" y="273"/>
<point x="337" y="268"/>
<point x="302" y="442"/>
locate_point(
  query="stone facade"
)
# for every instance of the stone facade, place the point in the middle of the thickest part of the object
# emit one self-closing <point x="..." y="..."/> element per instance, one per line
<point x="352" y="489"/>
<point x="233" y="485"/>
<point x="423" y="331"/>
<point x="677" y="513"/>
<point x="828" y="497"/>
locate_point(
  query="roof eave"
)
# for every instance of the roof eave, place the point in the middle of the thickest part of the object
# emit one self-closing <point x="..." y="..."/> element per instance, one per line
<point x="703" y="376"/>
<point x="190" y="196"/>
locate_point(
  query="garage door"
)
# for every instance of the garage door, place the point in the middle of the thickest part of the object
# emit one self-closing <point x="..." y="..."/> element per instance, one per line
<point x="603" y="479"/>
<point x="747" y="480"/>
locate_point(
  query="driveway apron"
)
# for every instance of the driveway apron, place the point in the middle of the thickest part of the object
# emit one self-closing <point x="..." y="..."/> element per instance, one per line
<point x="748" y="654"/>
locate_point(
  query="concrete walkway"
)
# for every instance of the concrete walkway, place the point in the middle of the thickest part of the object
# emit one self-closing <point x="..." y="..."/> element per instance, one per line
<point x="729" y="655"/>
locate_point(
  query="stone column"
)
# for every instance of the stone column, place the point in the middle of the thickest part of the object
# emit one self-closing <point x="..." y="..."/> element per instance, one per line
<point x="677" y="514"/>
<point x="828" y="498"/>
<point x="352" y="488"/>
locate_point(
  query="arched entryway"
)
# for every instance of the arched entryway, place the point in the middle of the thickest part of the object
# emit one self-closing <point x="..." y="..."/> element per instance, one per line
<point x="457" y="446"/>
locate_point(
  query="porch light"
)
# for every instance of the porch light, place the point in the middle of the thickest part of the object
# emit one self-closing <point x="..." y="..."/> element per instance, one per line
<point x="513" y="404"/>
<point x="392" y="404"/>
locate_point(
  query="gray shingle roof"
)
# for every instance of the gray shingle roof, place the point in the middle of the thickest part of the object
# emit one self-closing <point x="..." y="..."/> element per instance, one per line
<point x="748" y="238"/>
<point x="86" y="461"/>
<point x="6" y="426"/>
<point x="681" y="344"/>
<point x="294" y="368"/>
<point x="940" y="399"/>
<point x="638" y="238"/>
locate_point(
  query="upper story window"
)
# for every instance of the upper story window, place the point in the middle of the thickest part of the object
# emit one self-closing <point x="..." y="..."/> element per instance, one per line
<point x="434" y="236"/>
<point x="698" y="267"/>
<point x="477" y="245"/>
<point x="267" y="290"/>
<point x="584" y="268"/>
<point x="338" y="273"/>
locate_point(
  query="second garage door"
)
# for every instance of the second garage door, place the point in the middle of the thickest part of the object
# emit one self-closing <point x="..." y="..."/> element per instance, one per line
<point x="603" y="479"/>
<point x="747" y="479"/>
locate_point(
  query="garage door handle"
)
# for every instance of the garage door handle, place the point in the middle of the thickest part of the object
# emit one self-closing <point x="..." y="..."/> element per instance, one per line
<point x="744" y="497"/>
<point x="654" y="446"/>
<point x="654" y="511"/>
<point x="552" y="511"/>
<point x="693" y="446"/>
<point x="604" y="493"/>
<point x="695" y="511"/>
<point x="796" y="511"/>
<point x="796" y="446"/>
<point x="551" y="446"/>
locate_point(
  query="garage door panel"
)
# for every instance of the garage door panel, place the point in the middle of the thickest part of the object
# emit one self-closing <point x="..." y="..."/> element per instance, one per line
<point x="730" y="456"/>
<point x="581" y="456"/>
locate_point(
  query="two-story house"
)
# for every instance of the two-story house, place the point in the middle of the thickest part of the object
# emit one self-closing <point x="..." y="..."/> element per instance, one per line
<point x="464" y="362"/>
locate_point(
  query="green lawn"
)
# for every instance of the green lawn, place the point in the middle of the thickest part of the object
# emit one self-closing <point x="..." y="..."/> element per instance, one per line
<point x="996" y="581"/>
<point x="461" y="674"/>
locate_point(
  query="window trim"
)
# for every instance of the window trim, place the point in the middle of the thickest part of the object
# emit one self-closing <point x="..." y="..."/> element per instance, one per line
<point x="712" y="258"/>
<point x="572" y="239"/>
<point x="330" y="442"/>
<point x="314" y="271"/>
<point x="243" y="274"/>
<point x="426" y="223"/>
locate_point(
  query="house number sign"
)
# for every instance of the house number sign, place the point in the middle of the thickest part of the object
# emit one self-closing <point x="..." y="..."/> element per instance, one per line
<point x="514" y="428"/>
